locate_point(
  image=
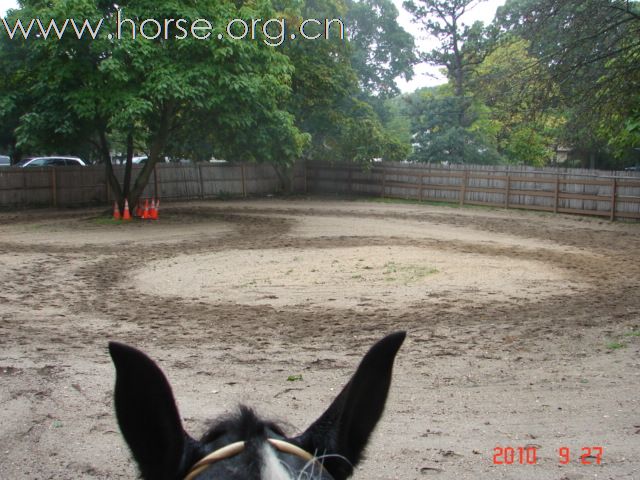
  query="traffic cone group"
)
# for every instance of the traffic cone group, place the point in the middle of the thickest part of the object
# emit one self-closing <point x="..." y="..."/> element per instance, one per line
<point x="149" y="212"/>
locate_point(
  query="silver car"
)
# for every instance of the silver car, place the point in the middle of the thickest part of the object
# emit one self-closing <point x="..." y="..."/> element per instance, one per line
<point x="51" y="162"/>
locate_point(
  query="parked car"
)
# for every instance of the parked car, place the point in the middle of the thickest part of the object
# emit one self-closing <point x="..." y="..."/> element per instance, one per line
<point x="51" y="162"/>
<point x="5" y="161"/>
<point x="633" y="169"/>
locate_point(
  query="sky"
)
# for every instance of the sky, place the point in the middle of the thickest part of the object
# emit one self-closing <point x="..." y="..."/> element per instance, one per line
<point x="424" y="75"/>
<point x="7" y="4"/>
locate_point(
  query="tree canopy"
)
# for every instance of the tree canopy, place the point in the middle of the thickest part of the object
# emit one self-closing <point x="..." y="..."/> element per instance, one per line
<point x="167" y="92"/>
<point x="546" y="74"/>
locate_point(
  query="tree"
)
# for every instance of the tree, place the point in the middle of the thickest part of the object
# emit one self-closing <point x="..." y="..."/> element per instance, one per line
<point x="438" y="135"/>
<point x="520" y="98"/>
<point x="150" y="91"/>
<point x="590" y="50"/>
<point x="381" y="50"/>
<point x="327" y="101"/>
<point x="461" y="47"/>
<point x="449" y="124"/>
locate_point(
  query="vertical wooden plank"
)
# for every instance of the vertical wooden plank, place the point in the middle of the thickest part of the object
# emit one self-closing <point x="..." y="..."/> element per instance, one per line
<point x="54" y="187"/>
<point x="421" y="177"/>
<point x="463" y="188"/>
<point x="200" y="180"/>
<point x="244" y="180"/>
<point x="349" y="174"/>
<point x="614" y="188"/>
<point x="155" y="180"/>
<point x="556" y="196"/>
<point x="384" y="180"/>
<point x="306" y="178"/>
<point x="107" y="187"/>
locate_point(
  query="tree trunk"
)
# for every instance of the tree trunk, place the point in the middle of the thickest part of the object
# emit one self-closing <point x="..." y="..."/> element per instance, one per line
<point x="111" y="177"/>
<point x="285" y="176"/>
<point x="126" y="184"/>
<point x="157" y="147"/>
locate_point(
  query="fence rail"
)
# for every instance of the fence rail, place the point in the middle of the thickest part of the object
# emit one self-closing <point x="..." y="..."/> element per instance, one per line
<point x="604" y="194"/>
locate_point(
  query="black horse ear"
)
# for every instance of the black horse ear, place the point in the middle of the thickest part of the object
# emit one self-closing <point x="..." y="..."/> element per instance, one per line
<point x="342" y="432"/>
<point x="148" y="415"/>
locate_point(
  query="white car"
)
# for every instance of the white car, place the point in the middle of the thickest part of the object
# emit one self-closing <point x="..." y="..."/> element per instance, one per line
<point x="51" y="162"/>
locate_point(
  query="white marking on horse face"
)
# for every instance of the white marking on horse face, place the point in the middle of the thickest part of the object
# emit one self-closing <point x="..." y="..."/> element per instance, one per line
<point x="272" y="468"/>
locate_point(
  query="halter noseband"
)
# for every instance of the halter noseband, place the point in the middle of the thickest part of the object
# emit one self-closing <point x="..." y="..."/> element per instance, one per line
<point x="235" y="448"/>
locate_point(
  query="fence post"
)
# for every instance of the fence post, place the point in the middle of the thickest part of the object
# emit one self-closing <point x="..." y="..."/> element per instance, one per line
<point x="507" y="192"/>
<point x="384" y="180"/>
<point x="54" y="187"/>
<point x="614" y="188"/>
<point x="349" y="186"/>
<point x="556" y="194"/>
<point x="420" y="188"/>
<point x="306" y="177"/>
<point x="463" y="189"/>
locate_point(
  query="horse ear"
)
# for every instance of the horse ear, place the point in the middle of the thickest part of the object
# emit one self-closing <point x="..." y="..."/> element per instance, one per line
<point x="148" y="415"/>
<point x="342" y="432"/>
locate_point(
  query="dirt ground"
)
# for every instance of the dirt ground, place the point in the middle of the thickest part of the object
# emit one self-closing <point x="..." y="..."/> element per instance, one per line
<point x="523" y="331"/>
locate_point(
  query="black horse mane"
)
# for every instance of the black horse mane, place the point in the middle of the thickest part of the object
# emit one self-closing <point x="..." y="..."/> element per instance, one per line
<point x="244" y="423"/>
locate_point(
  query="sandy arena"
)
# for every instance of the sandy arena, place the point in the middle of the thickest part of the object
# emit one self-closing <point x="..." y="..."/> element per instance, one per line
<point x="523" y="331"/>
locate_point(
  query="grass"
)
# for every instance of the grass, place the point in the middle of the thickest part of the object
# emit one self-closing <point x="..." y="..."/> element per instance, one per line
<point x="409" y="273"/>
<point x="617" y="345"/>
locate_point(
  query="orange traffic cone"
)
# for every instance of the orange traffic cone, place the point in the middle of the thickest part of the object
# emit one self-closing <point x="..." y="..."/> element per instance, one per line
<point x="126" y="215"/>
<point x="153" y="213"/>
<point x="116" y="211"/>
<point x="145" y="212"/>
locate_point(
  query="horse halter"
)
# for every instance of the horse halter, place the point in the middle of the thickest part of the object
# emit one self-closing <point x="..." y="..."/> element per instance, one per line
<point x="235" y="448"/>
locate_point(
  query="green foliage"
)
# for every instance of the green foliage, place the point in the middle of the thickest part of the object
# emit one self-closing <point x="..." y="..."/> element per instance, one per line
<point x="588" y="52"/>
<point x="439" y="134"/>
<point x="381" y="50"/>
<point x="461" y="47"/>
<point x="99" y="92"/>
<point x="188" y="98"/>
<point x="525" y="129"/>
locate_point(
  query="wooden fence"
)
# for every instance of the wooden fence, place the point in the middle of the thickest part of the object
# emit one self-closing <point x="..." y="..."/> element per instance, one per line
<point x="70" y="186"/>
<point x="605" y="194"/>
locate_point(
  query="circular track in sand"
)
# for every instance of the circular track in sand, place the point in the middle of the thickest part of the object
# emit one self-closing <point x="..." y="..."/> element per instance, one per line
<point x="349" y="277"/>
